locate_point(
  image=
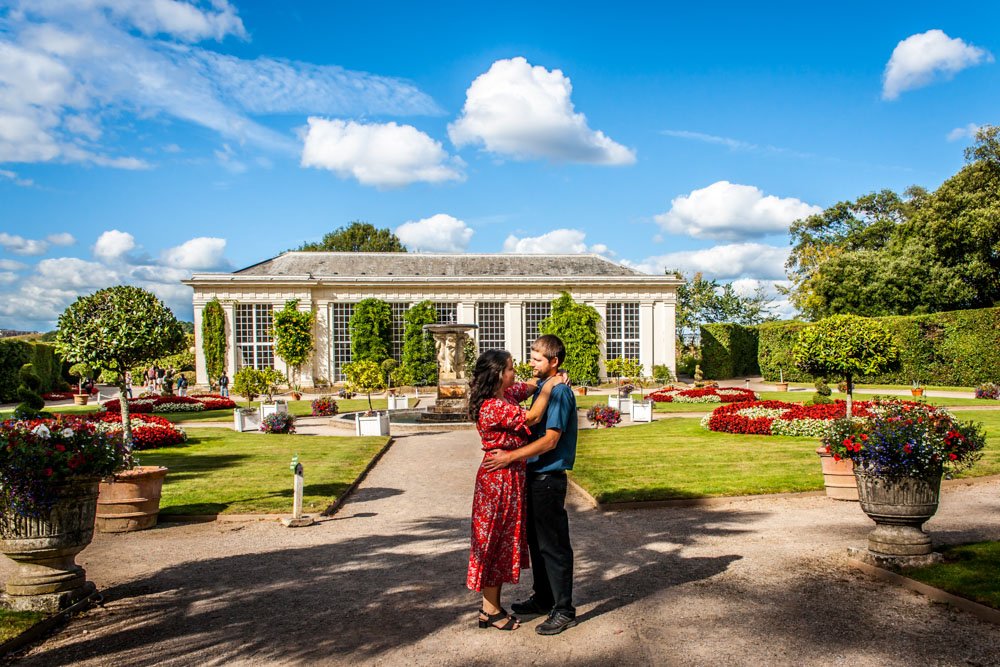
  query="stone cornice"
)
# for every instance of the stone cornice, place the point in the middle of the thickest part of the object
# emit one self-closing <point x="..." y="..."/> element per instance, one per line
<point x="550" y="282"/>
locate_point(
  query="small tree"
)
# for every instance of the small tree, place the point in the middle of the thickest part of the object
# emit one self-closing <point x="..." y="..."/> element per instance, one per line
<point x="364" y="376"/>
<point x="116" y="329"/>
<point x="389" y="367"/>
<point x="213" y="339"/>
<point x="81" y="372"/>
<point x="577" y="325"/>
<point x="845" y="346"/>
<point x="293" y="337"/>
<point x="419" y="359"/>
<point x="271" y="378"/>
<point x="248" y="383"/>
<point x="371" y="331"/>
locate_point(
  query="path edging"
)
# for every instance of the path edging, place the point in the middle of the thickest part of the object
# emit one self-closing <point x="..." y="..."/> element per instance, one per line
<point x="980" y="611"/>
<point x="47" y="625"/>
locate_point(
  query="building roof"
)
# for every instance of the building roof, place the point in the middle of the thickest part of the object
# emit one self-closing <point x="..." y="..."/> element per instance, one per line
<point x="398" y="264"/>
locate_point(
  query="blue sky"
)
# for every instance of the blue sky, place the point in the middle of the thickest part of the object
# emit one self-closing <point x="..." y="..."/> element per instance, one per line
<point x="142" y="140"/>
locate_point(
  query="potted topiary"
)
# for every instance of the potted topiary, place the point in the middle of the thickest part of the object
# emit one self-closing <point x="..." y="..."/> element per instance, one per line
<point x="642" y="410"/>
<point x="49" y="475"/>
<point x="392" y="372"/>
<point x="270" y="379"/>
<point x="621" y="396"/>
<point x="781" y="385"/>
<point x="81" y="372"/>
<point x="899" y="456"/>
<point x="366" y="376"/>
<point x="916" y="390"/>
<point x="247" y="383"/>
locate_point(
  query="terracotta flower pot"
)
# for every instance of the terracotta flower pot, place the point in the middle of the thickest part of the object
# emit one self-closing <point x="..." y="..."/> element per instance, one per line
<point x="781" y="386"/>
<point x="580" y="391"/>
<point x="131" y="500"/>
<point x="80" y="399"/>
<point x="45" y="548"/>
<point x="917" y="391"/>
<point x="838" y="476"/>
<point x="899" y="507"/>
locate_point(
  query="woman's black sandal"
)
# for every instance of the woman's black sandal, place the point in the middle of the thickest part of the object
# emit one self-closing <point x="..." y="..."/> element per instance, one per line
<point x="511" y="623"/>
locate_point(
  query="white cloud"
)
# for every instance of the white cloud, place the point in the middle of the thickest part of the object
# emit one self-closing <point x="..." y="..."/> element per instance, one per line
<point x="558" y="241"/>
<point x="70" y="68"/>
<point x="726" y="262"/>
<point x="966" y="132"/>
<point x="199" y="254"/>
<point x="62" y="238"/>
<point x="113" y="244"/>
<point x="725" y="210"/>
<point x="12" y="176"/>
<point x="379" y="154"/>
<point x="438" y="233"/>
<point x="7" y="277"/>
<point x="525" y="112"/>
<point x="919" y="59"/>
<point x="22" y="246"/>
<point x="11" y="265"/>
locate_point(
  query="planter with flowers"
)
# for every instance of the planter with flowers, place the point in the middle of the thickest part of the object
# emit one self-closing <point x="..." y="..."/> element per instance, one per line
<point x="899" y="456"/>
<point x="49" y="475"/>
<point x="604" y="415"/>
<point x="279" y="422"/>
<point x="917" y="390"/>
<point x="324" y="406"/>
<point x="246" y="419"/>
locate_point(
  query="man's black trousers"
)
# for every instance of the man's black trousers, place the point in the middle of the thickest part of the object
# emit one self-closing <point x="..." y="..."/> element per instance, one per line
<point x="548" y="542"/>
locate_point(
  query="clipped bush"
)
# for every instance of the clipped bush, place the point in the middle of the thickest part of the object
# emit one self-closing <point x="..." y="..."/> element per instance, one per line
<point x="31" y="402"/>
<point x="728" y="350"/>
<point x="662" y="374"/>
<point x="46" y="364"/>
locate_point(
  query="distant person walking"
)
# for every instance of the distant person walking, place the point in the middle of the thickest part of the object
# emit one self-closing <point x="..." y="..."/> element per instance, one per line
<point x="128" y="384"/>
<point x="224" y="385"/>
<point x="151" y="379"/>
<point x="182" y="385"/>
<point x="160" y="374"/>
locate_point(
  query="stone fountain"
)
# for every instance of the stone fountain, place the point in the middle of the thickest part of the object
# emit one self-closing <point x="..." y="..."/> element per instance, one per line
<point x="452" y="404"/>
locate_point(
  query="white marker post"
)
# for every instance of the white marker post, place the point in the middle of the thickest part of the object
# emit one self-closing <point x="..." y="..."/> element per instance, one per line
<point x="297" y="520"/>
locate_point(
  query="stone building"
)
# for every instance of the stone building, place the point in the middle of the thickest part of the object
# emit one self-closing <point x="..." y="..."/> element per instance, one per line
<point x="506" y="295"/>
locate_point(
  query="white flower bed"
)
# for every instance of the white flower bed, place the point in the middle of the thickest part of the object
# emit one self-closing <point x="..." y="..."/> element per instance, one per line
<point x="807" y="428"/>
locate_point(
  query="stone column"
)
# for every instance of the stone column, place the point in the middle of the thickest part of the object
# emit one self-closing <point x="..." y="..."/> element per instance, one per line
<point x="200" y="371"/>
<point x="465" y="313"/>
<point x="514" y="324"/>
<point x="306" y="377"/>
<point x="232" y="354"/>
<point x="669" y="335"/>
<point x="646" y="337"/>
<point x="602" y="309"/>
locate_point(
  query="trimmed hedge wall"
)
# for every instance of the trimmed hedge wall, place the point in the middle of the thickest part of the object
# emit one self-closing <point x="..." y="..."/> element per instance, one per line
<point x="16" y="353"/>
<point x="957" y="348"/>
<point x="728" y="350"/>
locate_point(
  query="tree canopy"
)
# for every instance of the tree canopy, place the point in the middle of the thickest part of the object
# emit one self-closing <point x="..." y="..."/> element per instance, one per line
<point x="419" y="356"/>
<point x="213" y="338"/>
<point x="293" y="336"/>
<point x="577" y="325"/>
<point x="701" y="301"/>
<point x="357" y="237"/>
<point x="371" y="331"/>
<point x="922" y="252"/>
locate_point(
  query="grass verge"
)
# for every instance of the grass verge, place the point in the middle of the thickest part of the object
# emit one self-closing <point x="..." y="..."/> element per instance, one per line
<point x="968" y="570"/>
<point x="223" y="472"/>
<point x="13" y="623"/>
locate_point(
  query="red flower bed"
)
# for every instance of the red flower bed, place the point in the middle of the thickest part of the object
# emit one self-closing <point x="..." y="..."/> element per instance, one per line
<point x="704" y="395"/>
<point x="149" y="404"/>
<point x="59" y="396"/>
<point x="759" y="416"/>
<point x="148" y="431"/>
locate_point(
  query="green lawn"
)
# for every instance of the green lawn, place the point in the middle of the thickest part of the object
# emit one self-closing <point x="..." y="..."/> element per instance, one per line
<point x="677" y="458"/>
<point x="810" y="385"/>
<point x="13" y="623"/>
<point x="968" y="570"/>
<point x="221" y="471"/>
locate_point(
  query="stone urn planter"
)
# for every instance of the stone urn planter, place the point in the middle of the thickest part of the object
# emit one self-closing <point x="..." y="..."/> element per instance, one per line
<point x="245" y="419"/>
<point x="80" y="399"/>
<point x="130" y="500"/>
<point x="838" y="476"/>
<point x="47" y="577"/>
<point x="642" y="411"/>
<point x="899" y="507"/>
<point x="375" y="424"/>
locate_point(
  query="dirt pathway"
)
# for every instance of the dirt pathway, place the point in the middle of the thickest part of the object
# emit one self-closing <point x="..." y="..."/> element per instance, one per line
<point x="758" y="582"/>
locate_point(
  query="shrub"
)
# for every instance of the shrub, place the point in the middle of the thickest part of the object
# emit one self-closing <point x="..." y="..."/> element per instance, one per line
<point x="988" y="390"/>
<point x="278" y="422"/>
<point x="324" y="406"/>
<point x="213" y="339"/>
<point x="577" y="325"/>
<point x="371" y="331"/>
<point x="293" y="336"/>
<point x="687" y="363"/>
<point x="523" y="371"/>
<point x="419" y="358"/>
<point x="31" y="403"/>
<point x="728" y="350"/>
<point x="365" y="376"/>
<point x="43" y="358"/>
<point x="662" y="374"/>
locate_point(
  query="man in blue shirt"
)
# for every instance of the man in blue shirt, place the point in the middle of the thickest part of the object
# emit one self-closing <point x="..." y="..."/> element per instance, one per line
<point x="549" y="456"/>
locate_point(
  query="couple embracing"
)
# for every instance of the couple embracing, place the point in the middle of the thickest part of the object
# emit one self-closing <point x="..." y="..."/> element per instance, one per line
<point x="518" y="511"/>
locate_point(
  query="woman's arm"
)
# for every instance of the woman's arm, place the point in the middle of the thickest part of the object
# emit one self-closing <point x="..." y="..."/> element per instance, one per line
<point x="537" y="410"/>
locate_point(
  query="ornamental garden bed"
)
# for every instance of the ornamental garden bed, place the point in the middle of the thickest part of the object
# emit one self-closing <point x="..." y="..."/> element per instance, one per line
<point x="171" y="404"/>
<point x="705" y="395"/>
<point x="218" y="471"/>
<point x="781" y="418"/>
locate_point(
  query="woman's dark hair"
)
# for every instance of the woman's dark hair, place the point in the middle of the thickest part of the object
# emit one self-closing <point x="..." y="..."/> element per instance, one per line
<point x="486" y="379"/>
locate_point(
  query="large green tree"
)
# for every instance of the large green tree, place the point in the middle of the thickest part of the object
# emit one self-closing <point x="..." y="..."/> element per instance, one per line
<point x="115" y="329"/>
<point x="357" y="237"/>
<point x="371" y="331"/>
<point x="419" y="360"/>
<point x="213" y="338"/>
<point x="701" y="301"/>
<point x="577" y="324"/>
<point x="293" y="337"/>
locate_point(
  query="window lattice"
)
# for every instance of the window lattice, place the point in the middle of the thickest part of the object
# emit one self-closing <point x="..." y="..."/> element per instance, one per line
<point x="398" y="329"/>
<point x="492" y="333"/>
<point x="340" y="338"/>
<point x="253" y="335"/>
<point x="534" y="313"/>
<point x="447" y="312"/>
<point x="622" y="328"/>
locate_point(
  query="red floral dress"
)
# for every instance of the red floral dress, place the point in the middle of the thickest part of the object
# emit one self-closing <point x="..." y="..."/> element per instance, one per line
<point x="499" y="534"/>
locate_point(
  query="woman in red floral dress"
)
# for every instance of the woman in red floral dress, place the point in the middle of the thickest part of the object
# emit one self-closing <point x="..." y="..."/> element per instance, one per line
<point x="499" y="536"/>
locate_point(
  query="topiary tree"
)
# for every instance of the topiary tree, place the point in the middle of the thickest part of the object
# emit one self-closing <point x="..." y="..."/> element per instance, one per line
<point x="213" y="339"/>
<point x="271" y="378"/>
<point x="31" y="402"/>
<point x="116" y="329"/>
<point x="577" y="325"/>
<point x="371" y="331"/>
<point x="249" y="383"/>
<point x="81" y="372"/>
<point x="293" y="337"/>
<point x="364" y="376"/>
<point x="419" y="359"/>
<point x="845" y="346"/>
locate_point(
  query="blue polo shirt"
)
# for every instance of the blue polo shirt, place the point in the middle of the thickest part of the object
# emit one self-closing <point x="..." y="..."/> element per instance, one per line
<point x="559" y="414"/>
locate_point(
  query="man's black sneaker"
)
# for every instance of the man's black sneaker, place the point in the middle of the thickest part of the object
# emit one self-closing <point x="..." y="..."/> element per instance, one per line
<point x="555" y="623"/>
<point x="530" y="607"/>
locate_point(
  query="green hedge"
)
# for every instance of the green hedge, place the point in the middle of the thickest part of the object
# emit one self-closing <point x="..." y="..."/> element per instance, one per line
<point x="957" y="348"/>
<point x="15" y="353"/>
<point x="728" y="350"/>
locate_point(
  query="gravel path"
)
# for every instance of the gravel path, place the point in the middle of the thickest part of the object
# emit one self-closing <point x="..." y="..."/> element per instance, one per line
<point x="753" y="582"/>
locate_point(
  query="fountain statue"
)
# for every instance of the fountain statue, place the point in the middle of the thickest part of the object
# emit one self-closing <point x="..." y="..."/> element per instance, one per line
<point x="452" y="404"/>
